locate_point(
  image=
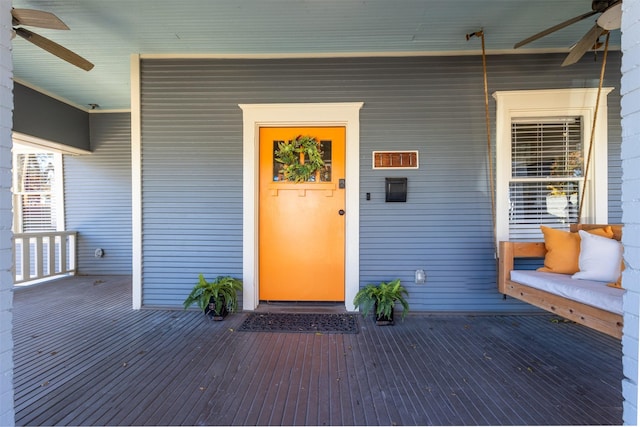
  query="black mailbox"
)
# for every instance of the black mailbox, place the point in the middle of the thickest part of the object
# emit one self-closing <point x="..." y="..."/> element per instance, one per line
<point x="395" y="189"/>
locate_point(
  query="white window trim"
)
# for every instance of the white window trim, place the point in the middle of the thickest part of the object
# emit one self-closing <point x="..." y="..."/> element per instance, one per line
<point x="42" y="145"/>
<point x="551" y="103"/>
<point x="299" y="115"/>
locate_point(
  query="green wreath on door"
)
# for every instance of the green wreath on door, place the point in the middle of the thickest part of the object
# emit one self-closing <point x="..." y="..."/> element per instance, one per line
<point x="289" y="153"/>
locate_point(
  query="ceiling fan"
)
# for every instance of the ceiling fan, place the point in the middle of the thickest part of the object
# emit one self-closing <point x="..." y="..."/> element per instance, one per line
<point x="42" y="19"/>
<point x="610" y="13"/>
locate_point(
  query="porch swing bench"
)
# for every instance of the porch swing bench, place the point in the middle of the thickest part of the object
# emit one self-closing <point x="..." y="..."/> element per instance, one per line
<point x="564" y="299"/>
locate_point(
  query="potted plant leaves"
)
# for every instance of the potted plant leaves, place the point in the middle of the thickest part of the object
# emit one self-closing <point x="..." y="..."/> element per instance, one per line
<point x="216" y="298"/>
<point x="382" y="298"/>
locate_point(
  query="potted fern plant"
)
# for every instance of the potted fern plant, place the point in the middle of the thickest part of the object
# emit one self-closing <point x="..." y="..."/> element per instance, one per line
<point x="382" y="298"/>
<point x="216" y="298"/>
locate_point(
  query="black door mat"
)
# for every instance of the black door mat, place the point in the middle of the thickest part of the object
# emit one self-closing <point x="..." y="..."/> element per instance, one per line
<point x="326" y="323"/>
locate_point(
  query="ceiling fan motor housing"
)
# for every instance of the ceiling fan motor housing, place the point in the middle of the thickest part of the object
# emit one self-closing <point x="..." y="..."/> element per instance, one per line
<point x="600" y="5"/>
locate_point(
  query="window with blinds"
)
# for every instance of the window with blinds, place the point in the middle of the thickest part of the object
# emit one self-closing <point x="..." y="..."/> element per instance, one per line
<point x="546" y="175"/>
<point x="34" y="200"/>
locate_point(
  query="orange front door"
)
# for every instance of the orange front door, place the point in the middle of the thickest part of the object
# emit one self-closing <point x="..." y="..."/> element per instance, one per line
<point x="301" y="224"/>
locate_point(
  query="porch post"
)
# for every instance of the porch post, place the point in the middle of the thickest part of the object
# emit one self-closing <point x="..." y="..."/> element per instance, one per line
<point x="7" y="413"/>
<point x="630" y="112"/>
<point x="136" y="185"/>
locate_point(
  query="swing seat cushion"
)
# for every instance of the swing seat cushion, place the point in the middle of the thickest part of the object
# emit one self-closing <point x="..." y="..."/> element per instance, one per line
<point x="591" y="292"/>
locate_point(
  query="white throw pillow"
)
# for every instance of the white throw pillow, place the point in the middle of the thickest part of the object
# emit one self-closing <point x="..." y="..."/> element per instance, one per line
<point x="600" y="258"/>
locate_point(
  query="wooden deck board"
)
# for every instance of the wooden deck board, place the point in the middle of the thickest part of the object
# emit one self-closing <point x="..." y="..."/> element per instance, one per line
<point x="84" y="357"/>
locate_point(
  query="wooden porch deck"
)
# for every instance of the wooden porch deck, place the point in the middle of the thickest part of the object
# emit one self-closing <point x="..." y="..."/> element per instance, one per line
<point x="84" y="357"/>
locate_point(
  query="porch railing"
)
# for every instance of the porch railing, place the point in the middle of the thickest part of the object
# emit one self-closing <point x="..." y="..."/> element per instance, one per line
<point x="44" y="254"/>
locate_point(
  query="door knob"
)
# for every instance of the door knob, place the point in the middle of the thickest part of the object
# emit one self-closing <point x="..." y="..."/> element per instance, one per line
<point x="341" y="212"/>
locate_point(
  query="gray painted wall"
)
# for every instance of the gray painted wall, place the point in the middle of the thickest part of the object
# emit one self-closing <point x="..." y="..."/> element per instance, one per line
<point x="192" y="164"/>
<point x="98" y="196"/>
<point x="46" y="118"/>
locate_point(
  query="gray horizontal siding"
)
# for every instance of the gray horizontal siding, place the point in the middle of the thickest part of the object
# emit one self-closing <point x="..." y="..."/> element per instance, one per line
<point x="192" y="186"/>
<point x="615" y="158"/>
<point x="192" y="164"/>
<point x="98" y="196"/>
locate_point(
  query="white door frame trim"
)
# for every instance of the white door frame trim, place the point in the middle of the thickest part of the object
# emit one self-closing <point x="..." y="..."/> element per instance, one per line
<point x="299" y="115"/>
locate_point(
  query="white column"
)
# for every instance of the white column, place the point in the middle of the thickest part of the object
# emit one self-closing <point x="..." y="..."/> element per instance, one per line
<point x="630" y="112"/>
<point x="7" y="415"/>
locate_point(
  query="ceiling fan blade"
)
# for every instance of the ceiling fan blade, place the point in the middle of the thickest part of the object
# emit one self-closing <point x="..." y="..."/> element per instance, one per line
<point x="54" y="48"/>
<point x="584" y="45"/>
<point x="555" y="28"/>
<point x="37" y="18"/>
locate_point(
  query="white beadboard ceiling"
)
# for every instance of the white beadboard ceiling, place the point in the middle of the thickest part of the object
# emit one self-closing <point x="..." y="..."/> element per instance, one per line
<point x="107" y="32"/>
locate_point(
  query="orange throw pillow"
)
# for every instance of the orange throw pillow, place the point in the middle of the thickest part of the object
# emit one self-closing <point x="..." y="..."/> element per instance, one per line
<point x="618" y="283"/>
<point x="563" y="249"/>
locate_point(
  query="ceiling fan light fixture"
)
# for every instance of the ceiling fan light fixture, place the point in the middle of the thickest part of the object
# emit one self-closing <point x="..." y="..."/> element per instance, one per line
<point x="611" y="19"/>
